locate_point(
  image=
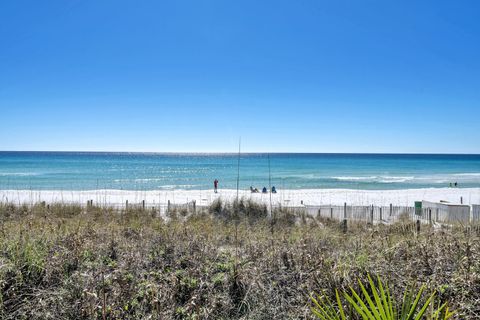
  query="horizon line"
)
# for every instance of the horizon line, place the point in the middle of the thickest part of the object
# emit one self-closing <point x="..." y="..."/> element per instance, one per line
<point x="233" y="152"/>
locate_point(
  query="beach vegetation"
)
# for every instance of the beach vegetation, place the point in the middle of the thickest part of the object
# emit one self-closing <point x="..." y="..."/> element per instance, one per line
<point x="224" y="262"/>
<point x="374" y="302"/>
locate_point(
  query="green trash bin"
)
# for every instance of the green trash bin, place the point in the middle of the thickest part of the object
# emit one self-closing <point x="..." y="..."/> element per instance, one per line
<point x="418" y="208"/>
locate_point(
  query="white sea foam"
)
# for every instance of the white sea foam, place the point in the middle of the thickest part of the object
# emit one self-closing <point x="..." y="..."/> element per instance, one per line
<point x="380" y="179"/>
<point x="148" y="180"/>
<point x="387" y="179"/>
<point x="425" y="179"/>
<point x="341" y="178"/>
<point x="473" y="174"/>
<point x="19" y="174"/>
<point x="181" y="187"/>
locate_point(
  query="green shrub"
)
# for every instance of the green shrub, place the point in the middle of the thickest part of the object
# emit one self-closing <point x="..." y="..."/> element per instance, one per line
<point x="376" y="303"/>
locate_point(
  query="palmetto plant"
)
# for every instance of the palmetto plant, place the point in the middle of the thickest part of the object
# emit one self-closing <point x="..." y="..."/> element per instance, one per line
<point x="379" y="305"/>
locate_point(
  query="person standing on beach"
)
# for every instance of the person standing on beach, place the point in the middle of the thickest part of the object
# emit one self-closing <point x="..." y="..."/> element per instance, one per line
<point x="215" y="185"/>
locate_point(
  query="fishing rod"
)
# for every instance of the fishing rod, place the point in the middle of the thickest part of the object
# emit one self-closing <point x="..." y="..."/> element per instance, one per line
<point x="238" y="165"/>
<point x="270" y="182"/>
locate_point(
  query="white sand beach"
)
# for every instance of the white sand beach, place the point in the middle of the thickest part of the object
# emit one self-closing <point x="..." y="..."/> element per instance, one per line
<point x="285" y="197"/>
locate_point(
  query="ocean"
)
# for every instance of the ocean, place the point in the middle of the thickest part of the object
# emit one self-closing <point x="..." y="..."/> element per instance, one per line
<point x="171" y="171"/>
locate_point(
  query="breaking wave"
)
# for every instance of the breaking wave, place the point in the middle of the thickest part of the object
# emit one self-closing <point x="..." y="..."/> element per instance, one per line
<point x="378" y="179"/>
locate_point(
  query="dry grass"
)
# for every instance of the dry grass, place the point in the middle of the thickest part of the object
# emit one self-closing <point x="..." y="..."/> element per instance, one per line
<point x="65" y="262"/>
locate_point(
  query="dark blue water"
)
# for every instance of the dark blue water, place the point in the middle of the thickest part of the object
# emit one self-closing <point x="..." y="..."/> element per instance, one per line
<point x="151" y="171"/>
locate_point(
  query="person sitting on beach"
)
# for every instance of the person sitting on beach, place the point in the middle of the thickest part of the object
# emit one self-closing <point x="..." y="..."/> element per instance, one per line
<point x="264" y="190"/>
<point x="274" y="190"/>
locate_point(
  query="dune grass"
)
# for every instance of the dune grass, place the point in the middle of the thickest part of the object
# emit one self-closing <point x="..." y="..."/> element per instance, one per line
<point x="229" y="261"/>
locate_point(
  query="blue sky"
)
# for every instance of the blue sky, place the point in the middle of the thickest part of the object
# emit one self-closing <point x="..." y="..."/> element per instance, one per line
<point x="286" y="76"/>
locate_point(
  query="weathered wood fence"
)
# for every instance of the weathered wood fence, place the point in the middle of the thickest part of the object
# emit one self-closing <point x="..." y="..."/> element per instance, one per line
<point x="430" y="212"/>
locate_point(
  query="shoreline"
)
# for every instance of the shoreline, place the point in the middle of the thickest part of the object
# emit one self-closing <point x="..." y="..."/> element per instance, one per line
<point x="288" y="197"/>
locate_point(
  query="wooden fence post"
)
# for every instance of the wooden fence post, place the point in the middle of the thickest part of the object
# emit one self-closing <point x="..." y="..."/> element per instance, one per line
<point x="331" y="213"/>
<point x="143" y="205"/>
<point x="418" y="226"/>
<point x="371" y="215"/>
<point x="194" y="206"/>
<point x="344" y="226"/>
<point x="381" y="218"/>
<point x="168" y="206"/>
<point x="126" y="204"/>
<point x="430" y="216"/>
<point x="391" y="209"/>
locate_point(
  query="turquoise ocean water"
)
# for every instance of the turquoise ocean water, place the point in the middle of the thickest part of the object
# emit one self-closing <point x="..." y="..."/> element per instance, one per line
<point x="157" y="171"/>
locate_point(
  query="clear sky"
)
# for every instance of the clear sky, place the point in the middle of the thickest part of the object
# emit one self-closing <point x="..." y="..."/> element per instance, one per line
<point x="286" y="76"/>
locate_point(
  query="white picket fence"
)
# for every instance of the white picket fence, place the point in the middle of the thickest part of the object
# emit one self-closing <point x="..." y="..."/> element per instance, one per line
<point x="430" y="212"/>
<point x="476" y="213"/>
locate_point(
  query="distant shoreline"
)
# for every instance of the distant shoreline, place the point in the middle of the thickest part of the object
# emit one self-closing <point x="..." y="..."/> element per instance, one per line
<point x="235" y="154"/>
<point x="287" y="197"/>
